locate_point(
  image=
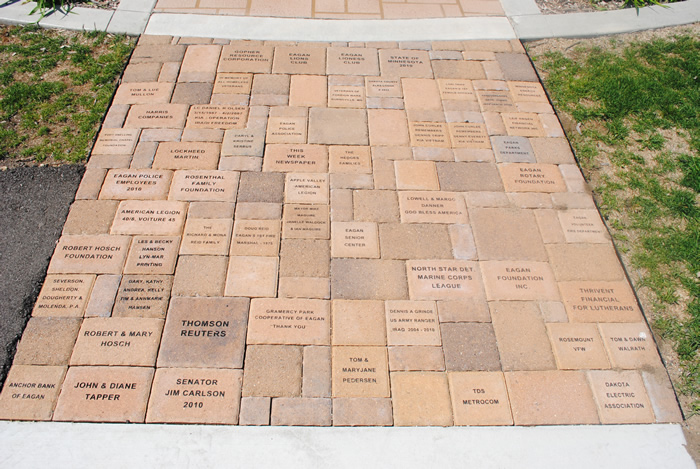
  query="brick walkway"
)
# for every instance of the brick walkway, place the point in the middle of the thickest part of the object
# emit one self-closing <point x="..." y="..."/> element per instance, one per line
<point x="335" y="9"/>
<point x="340" y="234"/>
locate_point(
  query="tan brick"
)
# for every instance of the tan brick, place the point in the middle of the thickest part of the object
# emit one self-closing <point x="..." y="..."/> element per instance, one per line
<point x="316" y="375"/>
<point x="338" y="126"/>
<point x="200" y="63"/>
<point x="200" y="276"/>
<point x="152" y="255"/>
<point x="206" y="236"/>
<point x="405" y="63"/>
<point x="104" y="254"/>
<point x="53" y="302"/>
<point x="252" y="276"/>
<point x="470" y="347"/>
<point x="360" y="412"/>
<point x="304" y="287"/>
<point x="479" y="398"/>
<point x="30" y="405"/>
<point x="143" y="296"/>
<point x="360" y="372"/>
<point x="594" y="262"/>
<point x="502" y="234"/>
<point x="387" y="127"/>
<point x="577" y="346"/>
<point x="416" y="358"/>
<point x="129" y="342"/>
<point x="189" y="344"/>
<point x="300" y="60"/>
<point x="621" y="397"/>
<point x="308" y="90"/>
<point x="90" y="217"/>
<point x="304" y="258"/>
<point x="358" y="322"/>
<point x="125" y="402"/>
<point x="421" y="398"/>
<point x="551" y="397"/>
<point x="468" y="310"/>
<point x="103" y="295"/>
<point x="630" y="346"/>
<point x="467" y="176"/>
<point x="272" y="371"/>
<point x="522" y="339"/>
<point x="255" y="411"/>
<point x="368" y="279"/>
<point x="219" y="407"/>
<point x="377" y="206"/>
<point x="47" y="341"/>
<point x="314" y="412"/>
<point x="407" y="241"/>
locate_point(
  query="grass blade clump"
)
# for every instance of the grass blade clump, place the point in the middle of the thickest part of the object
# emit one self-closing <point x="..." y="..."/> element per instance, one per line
<point x="55" y="87"/>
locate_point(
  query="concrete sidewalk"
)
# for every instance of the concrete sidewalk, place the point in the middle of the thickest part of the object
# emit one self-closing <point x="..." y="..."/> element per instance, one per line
<point x="513" y="18"/>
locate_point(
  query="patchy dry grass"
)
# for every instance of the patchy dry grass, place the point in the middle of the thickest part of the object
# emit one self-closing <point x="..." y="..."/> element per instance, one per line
<point x="55" y="87"/>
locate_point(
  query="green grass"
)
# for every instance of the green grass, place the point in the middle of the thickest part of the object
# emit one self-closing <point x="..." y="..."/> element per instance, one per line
<point x="639" y="145"/>
<point x="54" y="90"/>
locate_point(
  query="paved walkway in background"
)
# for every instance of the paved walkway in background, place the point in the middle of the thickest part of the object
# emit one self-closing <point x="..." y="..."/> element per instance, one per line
<point x="335" y="9"/>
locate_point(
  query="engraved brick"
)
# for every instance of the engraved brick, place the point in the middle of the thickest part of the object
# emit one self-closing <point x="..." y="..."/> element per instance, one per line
<point x="204" y="333"/>
<point x="122" y="399"/>
<point x="117" y="341"/>
<point x="152" y="255"/>
<point x="479" y="398"/>
<point x="218" y="395"/>
<point x="621" y="397"/>
<point x="99" y="254"/>
<point x="40" y="388"/>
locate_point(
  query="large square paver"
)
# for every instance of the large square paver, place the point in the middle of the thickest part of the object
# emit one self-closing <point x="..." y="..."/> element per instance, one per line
<point x="502" y="234"/>
<point x="204" y="333"/>
<point x="551" y="397"/>
<point x="272" y="371"/>
<point x="338" y="126"/>
<point x="421" y="398"/>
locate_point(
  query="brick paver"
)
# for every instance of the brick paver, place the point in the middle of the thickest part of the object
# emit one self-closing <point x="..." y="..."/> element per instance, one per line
<point x="333" y="234"/>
